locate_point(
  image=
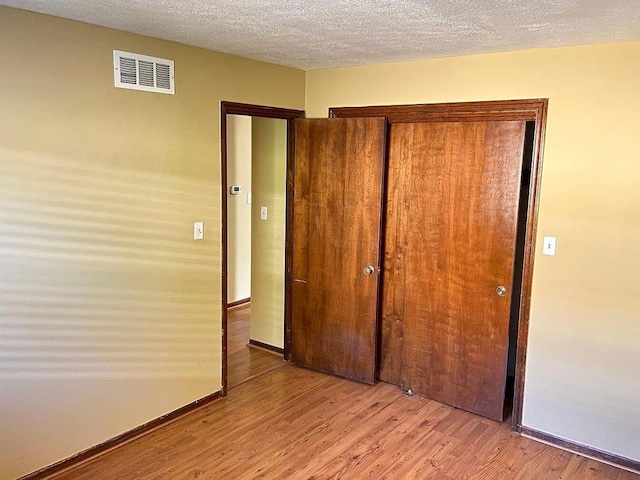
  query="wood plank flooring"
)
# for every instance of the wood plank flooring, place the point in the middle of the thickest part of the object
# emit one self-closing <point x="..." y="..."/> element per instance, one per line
<point x="292" y="423"/>
<point x="246" y="362"/>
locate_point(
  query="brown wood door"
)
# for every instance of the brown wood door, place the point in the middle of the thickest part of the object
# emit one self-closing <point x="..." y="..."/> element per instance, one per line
<point x="336" y="234"/>
<point x="454" y="193"/>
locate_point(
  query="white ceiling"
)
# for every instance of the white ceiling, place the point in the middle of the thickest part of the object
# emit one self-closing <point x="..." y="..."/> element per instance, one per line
<point x="311" y="34"/>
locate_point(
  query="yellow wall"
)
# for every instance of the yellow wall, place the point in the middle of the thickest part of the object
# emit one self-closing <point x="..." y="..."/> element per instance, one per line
<point x="269" y="175"/>
<point x="582" y="370"/>
<point x="109" y="311"/>
<point x="238" y="208"/>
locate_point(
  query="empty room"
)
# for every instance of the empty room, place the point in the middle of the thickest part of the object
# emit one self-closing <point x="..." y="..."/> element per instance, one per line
<point x="319" y="240"/>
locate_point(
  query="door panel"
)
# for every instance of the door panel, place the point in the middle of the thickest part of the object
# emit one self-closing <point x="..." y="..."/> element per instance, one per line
<point x="394" y="274"/>
<point x="336" y="234"/>
<point x="455" y="224"/>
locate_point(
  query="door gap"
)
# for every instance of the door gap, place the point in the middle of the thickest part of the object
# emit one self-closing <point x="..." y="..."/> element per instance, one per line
<point x="521" y="236"/>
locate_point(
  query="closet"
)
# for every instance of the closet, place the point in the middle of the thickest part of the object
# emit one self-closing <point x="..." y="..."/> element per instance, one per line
<point x="413" y="234"/>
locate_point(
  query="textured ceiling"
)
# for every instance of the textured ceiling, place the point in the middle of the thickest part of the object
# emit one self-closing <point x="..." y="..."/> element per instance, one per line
<point x="311" y="34"/>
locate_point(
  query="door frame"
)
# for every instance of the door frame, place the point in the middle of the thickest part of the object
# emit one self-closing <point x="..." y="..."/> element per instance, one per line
<point x="250" y="110"/>
<point x="522" y="110"/>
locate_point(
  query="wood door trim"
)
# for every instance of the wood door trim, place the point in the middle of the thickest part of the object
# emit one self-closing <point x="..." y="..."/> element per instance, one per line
<point x="234" y="108"/>
<point x="239" y="303"/>
<point x="527" y="110"/>
<point x="580" y="449"/>
<point x="266" y="346"/>
<point x="264" y="111"/>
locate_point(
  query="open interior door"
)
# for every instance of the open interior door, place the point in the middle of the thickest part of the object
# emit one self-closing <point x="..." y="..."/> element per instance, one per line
<point x="338" y="199"/>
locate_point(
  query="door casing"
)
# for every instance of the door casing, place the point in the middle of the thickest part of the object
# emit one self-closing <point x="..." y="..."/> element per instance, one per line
<point x="233" y="108"/>
<point x="522" y="110"/>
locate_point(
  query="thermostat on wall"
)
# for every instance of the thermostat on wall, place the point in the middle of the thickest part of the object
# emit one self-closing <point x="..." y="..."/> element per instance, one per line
<point x="235" y="189"/>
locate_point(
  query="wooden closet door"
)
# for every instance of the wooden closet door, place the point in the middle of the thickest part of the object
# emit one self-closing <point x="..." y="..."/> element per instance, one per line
<point x="336" y="235"/>
<point x="453" y="230"/>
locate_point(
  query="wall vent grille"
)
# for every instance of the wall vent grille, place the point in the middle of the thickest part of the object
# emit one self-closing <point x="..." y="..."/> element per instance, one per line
<point x="141" y="72"/>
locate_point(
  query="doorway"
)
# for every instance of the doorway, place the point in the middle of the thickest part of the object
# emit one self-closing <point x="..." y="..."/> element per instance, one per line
<point x="256" y="143"/>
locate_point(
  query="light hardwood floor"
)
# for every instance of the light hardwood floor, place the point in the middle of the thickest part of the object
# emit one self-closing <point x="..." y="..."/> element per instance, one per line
<point x="246" y="362"/>
<point x="292" y="423"/>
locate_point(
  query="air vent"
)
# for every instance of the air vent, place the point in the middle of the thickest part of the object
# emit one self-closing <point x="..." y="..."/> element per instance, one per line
<point x="140" y="72"/>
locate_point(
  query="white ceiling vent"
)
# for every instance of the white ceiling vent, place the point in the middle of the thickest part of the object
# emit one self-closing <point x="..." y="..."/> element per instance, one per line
<point x="140" y="72"/>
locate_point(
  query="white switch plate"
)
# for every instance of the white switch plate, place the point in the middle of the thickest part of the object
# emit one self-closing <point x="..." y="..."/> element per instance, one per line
<point x="263" y="213"/>
<point x="249" y="197"/>
<point x="549" y="246"/>
<point x="198" y="230"/>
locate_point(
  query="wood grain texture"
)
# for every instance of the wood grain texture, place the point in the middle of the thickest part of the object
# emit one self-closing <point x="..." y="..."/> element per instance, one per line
<point x="246" y="362"/>
<point x="337" y="225"/>
<point x="112" y="443"/>
<point x="447" y="112"/>
<point x="293" y="423"/>
<point x="521" y="110"/>
<point x="395" y="245"/>
<point x="581" y="449"/>
<point x="461" y="197"/>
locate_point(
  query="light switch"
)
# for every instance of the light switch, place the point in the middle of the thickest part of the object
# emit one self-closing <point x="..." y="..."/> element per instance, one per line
<point x="263" y="213"/>
<point x="549" y="246"/>
<point x="198" y="230"/>
<point x="249" y="197"/>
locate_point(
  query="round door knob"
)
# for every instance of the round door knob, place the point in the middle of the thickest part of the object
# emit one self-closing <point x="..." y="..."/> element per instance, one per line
<point x="501" y="291"/>
<point x="368" y="270"/>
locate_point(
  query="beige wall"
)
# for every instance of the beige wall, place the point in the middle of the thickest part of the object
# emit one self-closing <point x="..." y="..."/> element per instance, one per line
<point x="110" y="312"/>
<point x="238" y="208"/>
<point x="269" y="174"/>
<point x="582" y="370"/>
